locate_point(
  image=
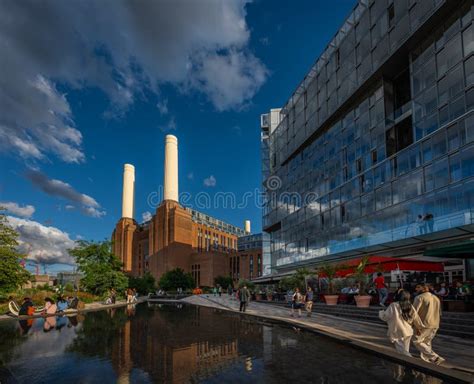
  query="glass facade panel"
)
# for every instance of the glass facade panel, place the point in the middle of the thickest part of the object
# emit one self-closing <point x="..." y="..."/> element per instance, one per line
<point x="369" y="186"/>
<point x="468" y="41"/>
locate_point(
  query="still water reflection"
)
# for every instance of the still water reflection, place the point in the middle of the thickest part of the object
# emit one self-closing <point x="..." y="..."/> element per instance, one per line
<point x="181" y="344"/>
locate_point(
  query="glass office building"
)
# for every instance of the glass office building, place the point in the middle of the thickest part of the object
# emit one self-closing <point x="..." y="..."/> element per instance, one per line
<point x="374" y="151"/>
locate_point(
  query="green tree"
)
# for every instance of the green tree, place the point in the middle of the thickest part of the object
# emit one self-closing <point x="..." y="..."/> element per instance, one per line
<point x="176" y="278"/>
<point x="144" y="284"/>
<point x="249" y="284"/>
<point x="12" y="274"/>
<point x="101" y="268"/>
<point x="224" y="281"/>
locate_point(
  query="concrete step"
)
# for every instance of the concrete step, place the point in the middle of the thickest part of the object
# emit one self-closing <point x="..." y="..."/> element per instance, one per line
<point x="451" y="323"/>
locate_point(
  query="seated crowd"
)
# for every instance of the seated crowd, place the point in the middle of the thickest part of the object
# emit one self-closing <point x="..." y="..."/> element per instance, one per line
<point x="50" y="307"/>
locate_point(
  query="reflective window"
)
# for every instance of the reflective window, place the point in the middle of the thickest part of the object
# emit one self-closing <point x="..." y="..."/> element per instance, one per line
<point x="453" y="137"/>
<point x="367" y="204"/>
<point x="456" y="108"/>
<point x="427" y="152"/>
<point x="383" y="197"/>
<point x="440" y="173"/>
<point x="438" y="143"/>
<point x="455" y="167"/>
<point x="468" y="41"/>
<point x="469" y="70"/>
<point x="469" y="132"/>
<point x="453" y="51"/>
<point x="467" y="160"/>
<point x="470" y="99"/>
<point x="415" y="157"/>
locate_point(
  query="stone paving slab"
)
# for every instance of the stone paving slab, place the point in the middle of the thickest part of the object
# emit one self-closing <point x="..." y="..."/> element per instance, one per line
<point x="458" y="352"/>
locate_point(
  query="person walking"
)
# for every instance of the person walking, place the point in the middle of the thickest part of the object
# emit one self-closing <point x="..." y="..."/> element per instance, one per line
<point x="230" y="290"/>
<point x="428" y="307"/>
<point x="381" y="288"/>
<point x="214" y="291"/>
<point x="296" y="302"/>
<point x="309" y="301"/>
<point x="244" y="297"/>
<point x="401" y="317"/>
<point x="220" y="291"/>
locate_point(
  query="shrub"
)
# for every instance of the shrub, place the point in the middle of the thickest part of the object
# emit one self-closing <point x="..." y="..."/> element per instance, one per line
<point x="176" y="278"/>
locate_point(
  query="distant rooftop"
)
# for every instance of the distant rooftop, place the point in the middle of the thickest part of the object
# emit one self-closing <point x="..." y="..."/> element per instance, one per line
<point x="212" y="222"/>
<point x="202" y="218"/>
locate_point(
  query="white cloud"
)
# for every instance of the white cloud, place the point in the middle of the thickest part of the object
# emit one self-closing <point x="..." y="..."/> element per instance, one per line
<point x="162" y="106"/>
<point x="237" y="129"/>
<point x="190" y="176"/>
<point x="169" y="126"/>
<point x="210" y="181"/>
<point x="58" y="188"/>
<point x="229" y="79"/>
<point x="123" y="49"/>
<point x="42" y="243"/>
<point x="25" y="211"/>
<point x="69" y="207"/>
<point x="146" y="216"/>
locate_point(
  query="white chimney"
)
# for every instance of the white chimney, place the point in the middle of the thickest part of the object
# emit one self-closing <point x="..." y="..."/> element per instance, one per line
<point x="171" y="168"/>
<point x="128" y="191"/>
<point x="247" y="226"/>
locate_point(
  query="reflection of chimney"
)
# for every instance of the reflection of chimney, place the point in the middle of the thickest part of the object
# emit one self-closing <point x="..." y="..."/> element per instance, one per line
<point x="128" y="190"/>
<point x="171" y="168"/>
<point x="247" y="226"/>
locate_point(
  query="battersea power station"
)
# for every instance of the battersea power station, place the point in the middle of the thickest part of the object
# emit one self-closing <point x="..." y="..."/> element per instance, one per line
<point x="175" y="237"/>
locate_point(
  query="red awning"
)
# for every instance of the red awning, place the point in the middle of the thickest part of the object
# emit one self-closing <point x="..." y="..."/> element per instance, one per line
<point x="388" y="264"/>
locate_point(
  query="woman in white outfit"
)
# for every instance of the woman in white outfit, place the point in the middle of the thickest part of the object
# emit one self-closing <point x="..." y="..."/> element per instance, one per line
<point x="401" y="317"/>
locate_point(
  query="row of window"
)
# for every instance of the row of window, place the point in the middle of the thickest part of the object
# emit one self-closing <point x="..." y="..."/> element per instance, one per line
<point x="438" y="210"/>
<point x="207" y="240"/>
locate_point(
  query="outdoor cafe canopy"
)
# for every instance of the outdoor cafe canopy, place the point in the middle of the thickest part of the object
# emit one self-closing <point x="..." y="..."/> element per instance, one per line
<point x="388" y="264"/>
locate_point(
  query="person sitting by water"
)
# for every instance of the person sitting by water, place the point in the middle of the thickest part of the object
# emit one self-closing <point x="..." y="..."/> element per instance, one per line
<point x="401" y="316"/>
<point x="129" y="294"/>
<point x="49" y="307"/>
<point x="27" y="308"/>
<point x="197" y="291"/>
<point x="62" y="304"/>
<point x="135" y="295"/>
<point x="73" y="302"/>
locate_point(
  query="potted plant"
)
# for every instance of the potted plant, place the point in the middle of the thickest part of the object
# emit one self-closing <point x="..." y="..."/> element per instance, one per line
<point x="362" y="299"/>
<point x="269" y="294"/>
<point x="329" y="271"/>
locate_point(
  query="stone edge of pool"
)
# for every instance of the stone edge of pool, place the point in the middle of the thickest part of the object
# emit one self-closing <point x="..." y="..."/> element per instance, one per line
<point x="388" y="353"/>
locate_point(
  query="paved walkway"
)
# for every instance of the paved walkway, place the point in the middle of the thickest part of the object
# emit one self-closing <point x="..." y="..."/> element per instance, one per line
<point x="459" y="353"/>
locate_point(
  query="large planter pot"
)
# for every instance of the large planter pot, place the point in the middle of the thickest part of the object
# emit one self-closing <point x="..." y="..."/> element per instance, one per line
<point x="258" y="296"/>
<point x="269" y="296"/>
<point x="331" y="299"/>
<point x="363" y="301"/>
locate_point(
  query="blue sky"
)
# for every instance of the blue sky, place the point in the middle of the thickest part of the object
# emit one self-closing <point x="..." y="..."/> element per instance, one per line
<point x="93" y="98"/>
